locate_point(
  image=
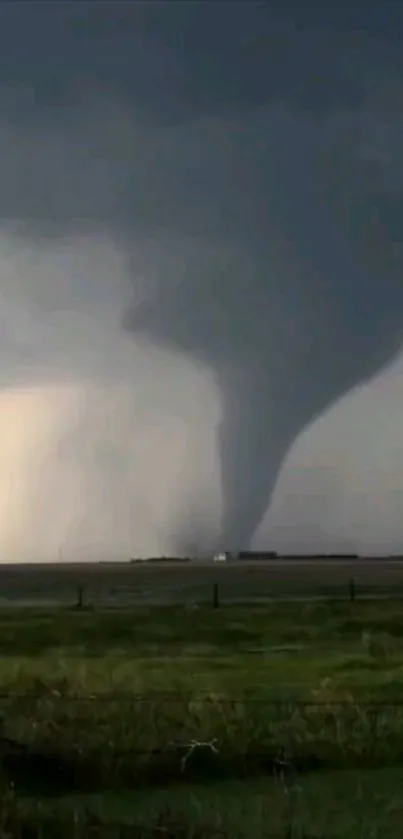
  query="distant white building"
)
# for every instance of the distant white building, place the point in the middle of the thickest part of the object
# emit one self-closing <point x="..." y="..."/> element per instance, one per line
<point x="222" y="557"/>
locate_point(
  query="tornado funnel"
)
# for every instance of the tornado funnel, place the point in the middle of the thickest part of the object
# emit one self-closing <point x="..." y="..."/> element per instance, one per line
<point x="290" y="318"/>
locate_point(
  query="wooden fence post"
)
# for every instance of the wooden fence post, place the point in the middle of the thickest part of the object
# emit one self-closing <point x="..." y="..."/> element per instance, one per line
<point x="351" y="587"/>
<point x="216" y="596"/>
<point x="80" y="597"/>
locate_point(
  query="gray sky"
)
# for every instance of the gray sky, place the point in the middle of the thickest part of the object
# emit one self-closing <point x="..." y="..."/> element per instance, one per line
<point x="201" y="209"/>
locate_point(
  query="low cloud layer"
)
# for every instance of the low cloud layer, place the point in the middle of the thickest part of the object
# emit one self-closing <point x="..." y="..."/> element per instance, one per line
<point x="240" y="263"/>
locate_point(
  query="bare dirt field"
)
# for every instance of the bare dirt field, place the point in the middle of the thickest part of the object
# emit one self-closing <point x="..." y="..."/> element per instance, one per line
<point x="123" y="584"/>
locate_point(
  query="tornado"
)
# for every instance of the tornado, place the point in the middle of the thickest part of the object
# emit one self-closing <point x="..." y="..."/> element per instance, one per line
<point x="267" y="402"/>
<point x="303" y="299"/>
<point x="288" y="323"/>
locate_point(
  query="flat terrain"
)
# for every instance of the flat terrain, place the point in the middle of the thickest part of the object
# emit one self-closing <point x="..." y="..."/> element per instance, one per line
<point x="125" y="584"/>
<point x="277" y="720"/>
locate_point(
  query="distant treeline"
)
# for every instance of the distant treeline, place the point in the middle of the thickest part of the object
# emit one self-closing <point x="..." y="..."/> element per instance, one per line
<point x="321" y="556"/>
<point x="161" y="559"/>
<point x="268" y="555"/>
<point x="260" y="556"/>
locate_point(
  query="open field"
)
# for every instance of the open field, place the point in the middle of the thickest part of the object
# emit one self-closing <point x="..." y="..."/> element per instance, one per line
<point x="124" y="584"/>
<point x="241" y="721"/>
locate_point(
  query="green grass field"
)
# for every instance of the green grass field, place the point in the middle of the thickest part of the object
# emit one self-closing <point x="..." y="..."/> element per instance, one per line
<point x="244" y="721"/>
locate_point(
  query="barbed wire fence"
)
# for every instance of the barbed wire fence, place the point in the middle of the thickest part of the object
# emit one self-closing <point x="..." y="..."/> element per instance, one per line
<point x="207" y="586"/>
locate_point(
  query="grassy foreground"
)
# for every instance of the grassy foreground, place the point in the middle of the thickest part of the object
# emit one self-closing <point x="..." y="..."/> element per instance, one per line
<point x="236" y="722"/>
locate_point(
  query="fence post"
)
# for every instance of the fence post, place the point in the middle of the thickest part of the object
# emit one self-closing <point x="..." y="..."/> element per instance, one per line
<point x="216" y="596"/>
<point x="80" y="597"/>
<point x="351" y="587"/>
